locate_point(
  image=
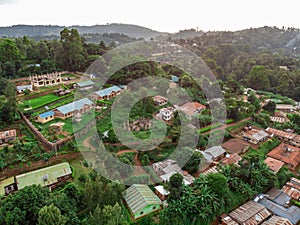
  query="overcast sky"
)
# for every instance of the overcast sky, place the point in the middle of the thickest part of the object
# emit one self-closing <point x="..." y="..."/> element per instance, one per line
<point x="161" y="15"/>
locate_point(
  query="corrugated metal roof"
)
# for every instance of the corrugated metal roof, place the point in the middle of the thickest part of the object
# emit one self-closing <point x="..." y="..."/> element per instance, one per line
<point x="277" y="220"/>
<point x="108" y="91"/>
<point x="44" y="177"/>
<point x="138" y="196"/>
<point x="77" y="105"/>
<point x="46" y="114"/>
<point x="24" y="87"/>
<point x="85" y="83"/>
<point x="215" y="151"/>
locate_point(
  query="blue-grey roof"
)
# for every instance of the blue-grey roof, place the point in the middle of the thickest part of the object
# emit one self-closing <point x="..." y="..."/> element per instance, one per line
<point x="46" y="114"/>
<point x="77" y="105"/>
<point x="175" y="79"/>
<point x="24" y="87"/>
<point x="85" y="83"/>
<point x="108" y="91"/>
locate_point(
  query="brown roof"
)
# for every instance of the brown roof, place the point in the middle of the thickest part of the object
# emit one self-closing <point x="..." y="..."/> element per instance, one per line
<point x="277" y="220"/>
<point x="235" y="145"/>
<point x="274" y="164"/>
<point x="190" y="108"/>
<point x="283" y="106"/>
<point x="231" y="159"/>
<point x="7" y="134"/>
<point x="250" y="213"/>
<point x="292" y="188"/>
<point x="280" y="133"/>
<point x="159" y="99"/>
<point x="287" y="154"/>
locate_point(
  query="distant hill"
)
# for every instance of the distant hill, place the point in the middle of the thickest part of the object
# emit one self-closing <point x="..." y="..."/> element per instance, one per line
<point x="48" y="30"/>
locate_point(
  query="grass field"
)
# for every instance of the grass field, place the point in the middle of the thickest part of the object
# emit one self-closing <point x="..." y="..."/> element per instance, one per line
<point x="41" y="101"/>
<point x="79" y="168"/>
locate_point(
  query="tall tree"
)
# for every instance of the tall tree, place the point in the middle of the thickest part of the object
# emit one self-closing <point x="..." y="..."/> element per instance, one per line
<point x="50" y="215"/>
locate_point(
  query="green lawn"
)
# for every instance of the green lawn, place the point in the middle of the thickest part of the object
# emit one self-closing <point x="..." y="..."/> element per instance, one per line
<point x="79" y="169"/>
<point x="41" y="101"/>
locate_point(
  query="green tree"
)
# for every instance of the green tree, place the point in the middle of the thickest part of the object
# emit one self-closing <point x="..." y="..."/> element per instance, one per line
<point x="175" y="186"/>
<point x="50" y="215"/>
<point x="270" y="107"/>
<point x="258" y="78"/>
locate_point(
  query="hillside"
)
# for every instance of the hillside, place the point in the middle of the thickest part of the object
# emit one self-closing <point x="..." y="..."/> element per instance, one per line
<point x="39" y="30"/>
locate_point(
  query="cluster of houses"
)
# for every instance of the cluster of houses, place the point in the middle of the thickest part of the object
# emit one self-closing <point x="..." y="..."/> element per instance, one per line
<point x="46" y="177"/>
<point x="7" y="136"/>
<point x="271" y="208"/>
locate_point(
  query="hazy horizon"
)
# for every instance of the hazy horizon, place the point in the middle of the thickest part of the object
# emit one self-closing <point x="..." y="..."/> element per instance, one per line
<point x="163" y="16"/>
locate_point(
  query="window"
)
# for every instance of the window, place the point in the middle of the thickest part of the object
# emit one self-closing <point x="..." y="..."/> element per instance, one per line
<point x="141" y="213"/>
<point x="154" y="207"/>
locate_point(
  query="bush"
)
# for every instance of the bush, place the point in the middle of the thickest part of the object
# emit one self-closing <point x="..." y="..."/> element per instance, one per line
<point x="82" y="178"/>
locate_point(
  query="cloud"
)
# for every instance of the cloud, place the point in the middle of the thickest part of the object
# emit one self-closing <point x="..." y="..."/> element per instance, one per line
<point x="6" y="2"/>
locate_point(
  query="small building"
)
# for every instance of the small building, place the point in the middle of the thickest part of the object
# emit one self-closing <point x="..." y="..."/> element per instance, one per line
<point x="191" y="108"/>
<point x="213" y="169"/>
<point x="289" y="137"/>
<point x="174" y="79"/>
<point x="7" y="136"/>
<point x="292" y="189"/>
<point x="85" y="85"/>
<point x="106" y="93"/>
<point x="249" y="213"/>
<point x="285" y="108"/>
<point x="215" y="153"/>
<point x="277" y="220"/>
<point x="7" y="186"/>
<point x="161" y="192"/>
<point x="166" y="113"/>
<point x="141" y="201"/>
<point x="45" y="117"/>
<point x="288" y="154"/>
<point x="23" y="88"/>
<point x="80" y="106"/>
<point x="254" y="135"/>
<point x="236" y="145"/>
<point x="46" y="177"/>
<point x="274" y="164"/>
<point x="160" y="100"/>
<point x="231" y="159"/>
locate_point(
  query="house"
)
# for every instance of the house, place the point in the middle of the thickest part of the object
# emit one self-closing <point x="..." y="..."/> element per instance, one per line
<point x="254" y="135"/>
<point x="80" y="106"/>
<point x="250" y="213"/>
<point x="289" y="137"/>
<point x="165" y="169"/>
<point x="215" y="153"/>
<point x="7" y="186"/>
<point x="277" y="220"/>
<point x="46" y="177"/>
<point x="288" y="154"/>
<point x="85" y="85"/>
<point x="174" y="79"/>
<point x="236" y="145"/>
<point x="22" y="88"/>
<point x="285" y="108"/>
<point x="141" y="201"/>
<point x="161" y="192"/>
<point x="7" y="136"/>
<point x="279" y="205"/>
<point x="45" y="80"/>
<point x="191" y="108"/>
<point x="213" y="169"/>
<point x="231" y="159"/>
<point x="292" y="189"/>
<point x="160" y="100"/>
<point x="274" y="164"/>
<point x="45" y="117"/>
<point x="106" y="93"/>
<point x="279" y="117"/>
<point x="166" y="113"/>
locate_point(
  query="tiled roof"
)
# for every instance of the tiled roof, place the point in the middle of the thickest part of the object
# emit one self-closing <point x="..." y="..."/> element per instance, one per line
<point x="85" y="83"/>
<point x="138" y="196"/>
<point x="46" y="114"/>
<point x="108" y="91"/>
<point x="286" y="153"/>
<point x="44" y="177"/>
<point x="77" y="105"/>
<point x="274" y="164"/>
<point x="235" y="145"/>
<point x="292" y="188"/>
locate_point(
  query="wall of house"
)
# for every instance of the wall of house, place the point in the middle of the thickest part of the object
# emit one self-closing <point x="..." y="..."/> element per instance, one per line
<point x="147" y="210"/>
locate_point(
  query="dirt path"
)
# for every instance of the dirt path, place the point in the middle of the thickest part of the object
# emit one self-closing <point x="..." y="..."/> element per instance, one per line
<point x="138" y="165"/>
<point x="87" y="143"/>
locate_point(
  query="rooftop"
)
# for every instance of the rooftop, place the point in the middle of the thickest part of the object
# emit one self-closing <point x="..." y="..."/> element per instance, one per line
<point x="23" y="87"/>
<point x="277" y="220"/>
<point x="231" y="159"/>
<point x="139" y="196"/>
<point x="292" y="188"/>
<point x="191" y="108"/>
<point x="46" y="114"/>
<point x="287" y="154"/>
<point x="108" y="91"/>
<point x="274" y="164"/>
<point x="284" y="106"/>
<point x="45" y="176"/>
<point x="280" y="133"/>
<point x="7" y="134"/>
<point x="85" y="83"/>
<point x="77" y="105"/>
<point x="235" y="145"/>
<point x="4" y="183"/>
